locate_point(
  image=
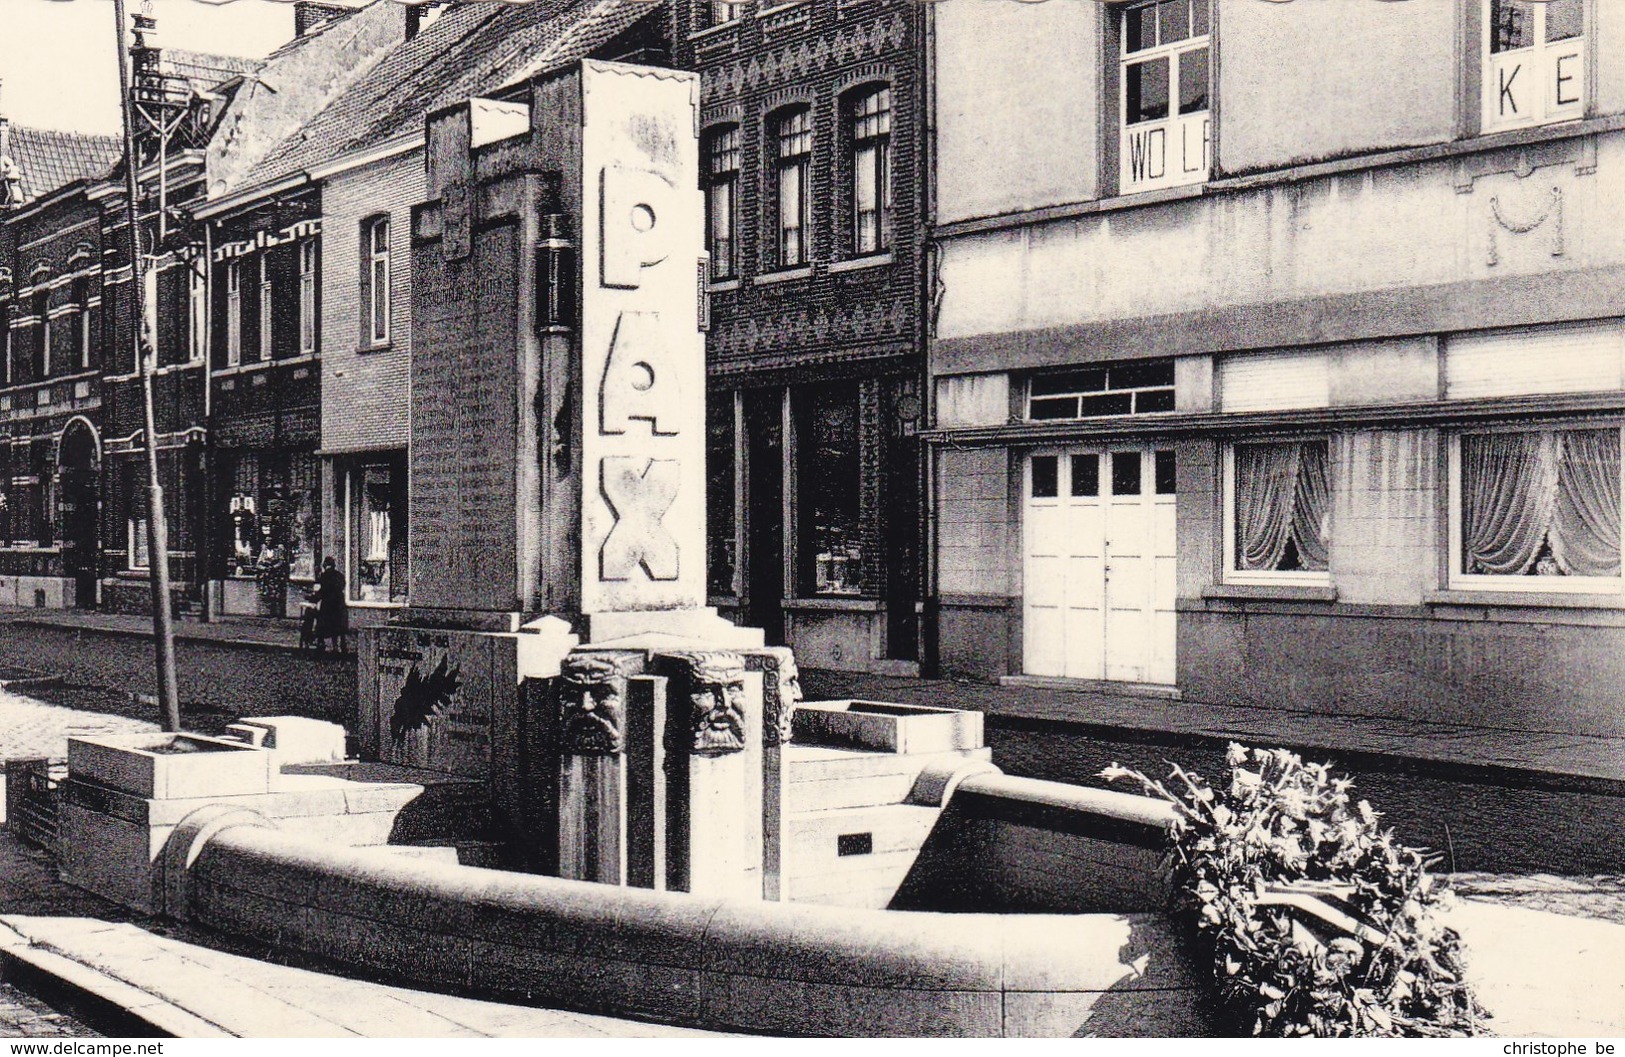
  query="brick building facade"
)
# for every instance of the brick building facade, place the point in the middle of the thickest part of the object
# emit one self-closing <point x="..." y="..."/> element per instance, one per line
<point x="54" y="333"/>
<point x="812" y="166"/>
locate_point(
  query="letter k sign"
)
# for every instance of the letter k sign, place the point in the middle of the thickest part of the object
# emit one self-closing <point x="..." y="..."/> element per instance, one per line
<point x="1507" y="101"/>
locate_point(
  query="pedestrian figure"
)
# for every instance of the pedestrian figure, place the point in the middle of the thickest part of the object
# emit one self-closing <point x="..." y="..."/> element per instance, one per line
<point x="332" y="609"/>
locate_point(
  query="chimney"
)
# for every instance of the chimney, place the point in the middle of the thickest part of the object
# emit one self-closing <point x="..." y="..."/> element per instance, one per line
<point x="307" y="15"/>
<point x="420" y="14"/>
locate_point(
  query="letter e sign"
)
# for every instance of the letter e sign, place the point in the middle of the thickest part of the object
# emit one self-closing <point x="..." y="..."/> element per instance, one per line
<point x="633" y="202"/>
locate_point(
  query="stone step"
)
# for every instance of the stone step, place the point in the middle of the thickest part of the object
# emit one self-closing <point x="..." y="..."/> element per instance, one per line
<point x="817" y="778"/>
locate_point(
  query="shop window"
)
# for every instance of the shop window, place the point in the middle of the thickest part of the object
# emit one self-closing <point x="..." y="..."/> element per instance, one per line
<point x="1165" y="131"/>
<point x="1135" y="388"/>
<point x="829" y="519"/>
<point x="721" y="515"/>
<point x="792" y="179"/>
<point x="1534" y="62"/>
<point x="375" y="277"/>
<point x="377" y="533"/>
<point x="234" y="313"/>
<point x="1537" y="510"/>
<point x="722" y="200"/>
<point x="1278" y="512"/>
<point x="307" y="296"/>
<point x="868" y="134"/>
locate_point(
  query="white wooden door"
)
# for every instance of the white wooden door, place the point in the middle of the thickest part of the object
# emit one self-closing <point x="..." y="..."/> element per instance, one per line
<point x="1099" y="564"/>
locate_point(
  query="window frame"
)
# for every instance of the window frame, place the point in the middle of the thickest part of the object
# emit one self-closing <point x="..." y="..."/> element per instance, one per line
<point x="1537" y="53"/>
<point x="1173" y="121"/>
<point x="7" y="346"/>
<point x="1272" y="577"/>
<point x="879" y="141"/>
<point x="267" y="305"/>
<point x="42" y="360"/>
<point x="714" y="14"/>
<point x="234" y="313"/>
<point x="726" y="182"/>
<point x="308" y="285"/>
<point x="798" y="159"/>
<point x="197" y="313"/>
<point x="1458" y="580"/>
<point x="136" y="557"/>
<point x="377" y="270"/>
<point x="81" y="296"/>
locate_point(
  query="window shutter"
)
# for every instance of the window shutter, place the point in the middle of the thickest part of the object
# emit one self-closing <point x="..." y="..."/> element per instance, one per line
<point x="1574" y="358"/>
<point x="1274" y="381"/>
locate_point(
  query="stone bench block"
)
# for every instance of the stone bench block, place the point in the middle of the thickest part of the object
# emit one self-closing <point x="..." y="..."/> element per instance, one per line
<point x="887" y="727"/>
<point x="164" y="766"/>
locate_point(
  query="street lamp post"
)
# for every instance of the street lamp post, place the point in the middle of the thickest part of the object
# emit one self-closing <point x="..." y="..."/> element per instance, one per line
<point x="163" y="627"/>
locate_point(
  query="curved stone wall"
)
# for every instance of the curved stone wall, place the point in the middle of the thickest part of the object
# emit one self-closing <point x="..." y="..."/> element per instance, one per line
<point x="669" y="957"/>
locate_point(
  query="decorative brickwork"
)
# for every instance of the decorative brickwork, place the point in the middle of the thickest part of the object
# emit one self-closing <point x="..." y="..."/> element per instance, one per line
<point x="840" y="316"/>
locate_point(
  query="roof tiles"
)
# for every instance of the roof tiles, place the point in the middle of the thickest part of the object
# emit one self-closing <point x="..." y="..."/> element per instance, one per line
<point x="50" y="159"/>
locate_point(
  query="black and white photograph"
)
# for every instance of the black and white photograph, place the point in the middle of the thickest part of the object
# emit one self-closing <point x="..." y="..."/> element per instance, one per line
<point x="834" y="519"/>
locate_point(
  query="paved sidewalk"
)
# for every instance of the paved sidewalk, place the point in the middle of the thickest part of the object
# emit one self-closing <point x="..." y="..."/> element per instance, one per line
<point x="1472" y="753"/>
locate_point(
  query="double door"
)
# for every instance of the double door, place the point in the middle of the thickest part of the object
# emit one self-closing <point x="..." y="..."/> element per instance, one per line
<point x="1099" y="555"/>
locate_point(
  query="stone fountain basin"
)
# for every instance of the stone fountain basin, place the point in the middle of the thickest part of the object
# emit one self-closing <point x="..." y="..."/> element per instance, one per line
<point x="884" y="726"/>
<point x="166" y="766"/>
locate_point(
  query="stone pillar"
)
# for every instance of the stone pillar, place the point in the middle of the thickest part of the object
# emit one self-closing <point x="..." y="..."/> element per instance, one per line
<point x="593" y="691"/>
<point x="713" y="832"/>
<point x="781" y="693"/>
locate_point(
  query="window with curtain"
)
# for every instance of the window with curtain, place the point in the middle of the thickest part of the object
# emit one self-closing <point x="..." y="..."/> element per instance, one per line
<point x="1280" y="503"/>
<point x="721" y="515"/>
<point x="722" y="200"/>
<point x="793" y="173"/>
<point x="869" y="139"/>
<point x="1539" y="504"/>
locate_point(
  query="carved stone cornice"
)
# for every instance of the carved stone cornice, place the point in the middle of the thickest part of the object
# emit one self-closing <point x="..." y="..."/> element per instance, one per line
<point x="781" y="691"/>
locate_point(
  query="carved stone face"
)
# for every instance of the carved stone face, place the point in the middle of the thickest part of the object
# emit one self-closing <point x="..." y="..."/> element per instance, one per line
<point x="593" y="719"/>
<point x="789" y="695"/>
<point x="719" y="718"/>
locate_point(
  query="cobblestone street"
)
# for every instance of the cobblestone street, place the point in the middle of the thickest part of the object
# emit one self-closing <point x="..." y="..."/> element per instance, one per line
<point x="85" y="668"/>
<point x="23" y="1016"/>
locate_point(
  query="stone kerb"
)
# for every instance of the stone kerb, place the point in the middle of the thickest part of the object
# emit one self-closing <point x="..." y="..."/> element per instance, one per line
<point x="683" y="959"/>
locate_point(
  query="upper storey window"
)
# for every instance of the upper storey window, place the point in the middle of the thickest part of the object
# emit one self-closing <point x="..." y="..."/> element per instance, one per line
<point x="1534" y="68"/>
<point x="1165" y="86"/>
<point x="793" y="172"/>
<point x="722" y="200"/>
<point x="710" y="13"/>
<point x="869" y="135"/>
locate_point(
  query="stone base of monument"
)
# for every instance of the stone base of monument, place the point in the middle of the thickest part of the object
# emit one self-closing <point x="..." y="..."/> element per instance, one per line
<point x="124" y="797"/>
